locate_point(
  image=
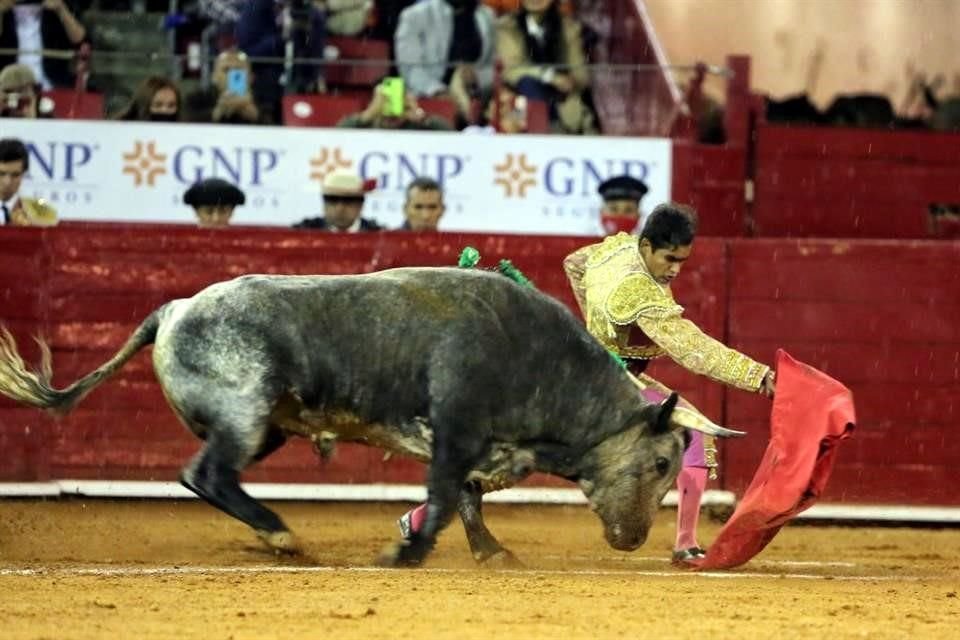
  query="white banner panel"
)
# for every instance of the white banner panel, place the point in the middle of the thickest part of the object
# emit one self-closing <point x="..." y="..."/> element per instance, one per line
<point x="525" y="184"/>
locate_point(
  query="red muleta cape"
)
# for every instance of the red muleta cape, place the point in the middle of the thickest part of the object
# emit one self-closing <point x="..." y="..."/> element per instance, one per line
<point x="812" y="413"/>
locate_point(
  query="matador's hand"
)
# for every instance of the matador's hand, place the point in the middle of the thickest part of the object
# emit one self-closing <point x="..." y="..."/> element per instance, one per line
<point x="769" y="385"/>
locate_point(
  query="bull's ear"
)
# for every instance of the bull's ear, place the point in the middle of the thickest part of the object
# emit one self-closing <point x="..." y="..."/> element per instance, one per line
<point x="661" y="422"/>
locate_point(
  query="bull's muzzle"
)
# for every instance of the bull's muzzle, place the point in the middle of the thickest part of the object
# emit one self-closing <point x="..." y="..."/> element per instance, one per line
<point x="623" y="540"/>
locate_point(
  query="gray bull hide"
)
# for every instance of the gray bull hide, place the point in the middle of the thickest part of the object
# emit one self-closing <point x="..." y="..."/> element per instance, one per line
<point x="486" y="379"/>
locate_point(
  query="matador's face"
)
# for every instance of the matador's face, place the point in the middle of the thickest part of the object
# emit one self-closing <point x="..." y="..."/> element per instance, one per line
<point x="664" y="264"/>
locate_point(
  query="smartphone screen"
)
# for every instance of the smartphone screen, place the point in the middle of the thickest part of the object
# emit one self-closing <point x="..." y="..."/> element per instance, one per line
<point x="393" y="90"/>
<point x="237" y="82"/>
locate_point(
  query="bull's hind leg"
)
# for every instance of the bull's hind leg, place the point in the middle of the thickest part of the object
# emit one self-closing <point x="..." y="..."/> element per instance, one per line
<point x="483" y="545"/>
<point x="214" y="475"/>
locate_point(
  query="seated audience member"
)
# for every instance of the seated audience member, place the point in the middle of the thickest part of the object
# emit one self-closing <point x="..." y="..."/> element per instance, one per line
<point x="18" y="210"/>
<point x="263" y="30"/>
<point x="157" y="99"/>
<point x="223" y="16"/>
<point x="33" y="26"/>
<point x="424" y="206"/>
<point x="413" y="116"/>
<point x="232" y="109"/>
<point x="18" y="92"/>
<point x="231" y="75"/>
<point x="388" y="15"/>
<point x="446" y="47"/>
<point x="542" y="53"/>
<point x="343" y="195"/>
<point x="347" y="17"/>
<point x="214" y="200"/>
<point x="511" y="114"/>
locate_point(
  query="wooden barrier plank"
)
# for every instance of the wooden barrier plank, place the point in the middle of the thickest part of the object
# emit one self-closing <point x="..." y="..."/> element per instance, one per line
<point x="920" y="147"/>
<point x="833" y="178"/>
<point x="845" y="271"/>
<point x="832" y="322"/>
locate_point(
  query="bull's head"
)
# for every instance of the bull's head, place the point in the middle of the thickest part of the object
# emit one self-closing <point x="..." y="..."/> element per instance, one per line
<point x="627" y="475"/>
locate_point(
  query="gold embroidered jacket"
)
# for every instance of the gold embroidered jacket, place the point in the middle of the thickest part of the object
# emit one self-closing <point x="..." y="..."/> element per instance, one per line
<point x="633" y="315"/>
<point x="33" y="212"/>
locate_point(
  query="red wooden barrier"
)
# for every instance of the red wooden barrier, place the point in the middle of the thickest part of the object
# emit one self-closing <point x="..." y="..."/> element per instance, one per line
<point x="880" y="316"/>
<point x="852" y="183"/>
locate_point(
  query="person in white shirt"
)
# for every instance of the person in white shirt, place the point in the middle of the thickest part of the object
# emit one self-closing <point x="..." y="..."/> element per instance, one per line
<point x="34" y="25"/>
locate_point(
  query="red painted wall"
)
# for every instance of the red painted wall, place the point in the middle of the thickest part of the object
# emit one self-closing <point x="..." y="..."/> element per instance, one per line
<point x="880" y="316"/>
<point x="853" y="183"/>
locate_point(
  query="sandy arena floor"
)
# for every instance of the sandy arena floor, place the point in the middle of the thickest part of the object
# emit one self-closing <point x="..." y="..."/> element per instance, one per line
<point x="157" y="569"/>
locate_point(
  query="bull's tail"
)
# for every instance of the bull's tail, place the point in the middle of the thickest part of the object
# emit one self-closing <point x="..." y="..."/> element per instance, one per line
<point x="34" y="388"/>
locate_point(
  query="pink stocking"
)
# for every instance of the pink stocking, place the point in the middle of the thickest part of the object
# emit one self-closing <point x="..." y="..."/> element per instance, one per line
<point x="690" y="485"/>
<point x="417" y="516"/>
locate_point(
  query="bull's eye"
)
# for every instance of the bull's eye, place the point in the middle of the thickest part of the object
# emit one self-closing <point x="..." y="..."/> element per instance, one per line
<point x="663" y="465"/>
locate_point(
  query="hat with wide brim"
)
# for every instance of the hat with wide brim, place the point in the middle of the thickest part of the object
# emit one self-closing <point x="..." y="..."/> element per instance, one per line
<point x="346" y="183"/>
<point x="213" y="192"/>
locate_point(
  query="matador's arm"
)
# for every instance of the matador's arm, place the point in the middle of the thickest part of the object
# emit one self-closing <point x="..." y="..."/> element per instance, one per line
<point x="639" y="299"/>
<point x="575" y="267"/>
<point x="695" y="351"/>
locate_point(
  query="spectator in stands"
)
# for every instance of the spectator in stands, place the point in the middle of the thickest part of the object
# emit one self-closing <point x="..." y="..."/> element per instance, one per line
<point x="424" y="206"/>
<point x="446" y="48"/>
<point x="621" y="204"/>
<point x="543" y="56"/>
<point x="31" y="27"/>
<point x="17" y="210"/>
<point x="263" y="30"/>
<point x="214" y="200"/>
<point x="231" y="109"/>
<point x="229" y="98"/>
<point x="343" y="195"/>
<point x="347" y="17"/>
<point x="157" y="99"/>
<point x="223" y="16"/>
<point x="18" y="92"/>
<point x="388" y="15"/>
<point x="511" y="114"/>
<point x="413" y="116"/>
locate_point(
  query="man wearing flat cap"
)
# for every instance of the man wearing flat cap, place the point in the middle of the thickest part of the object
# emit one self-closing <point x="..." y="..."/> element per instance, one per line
<point x="621" y="204"/>
<point x="214" y="200"/>
<point x="343" y="195"/>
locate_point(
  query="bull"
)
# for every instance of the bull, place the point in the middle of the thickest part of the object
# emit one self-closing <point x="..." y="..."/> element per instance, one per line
<point x="485" y="380"/>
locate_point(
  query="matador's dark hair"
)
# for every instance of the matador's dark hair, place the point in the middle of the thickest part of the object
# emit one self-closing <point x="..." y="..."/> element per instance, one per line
<point x="670" y="225"/>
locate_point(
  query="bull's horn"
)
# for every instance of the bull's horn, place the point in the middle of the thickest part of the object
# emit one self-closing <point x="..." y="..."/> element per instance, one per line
<point x="692" y="420"/>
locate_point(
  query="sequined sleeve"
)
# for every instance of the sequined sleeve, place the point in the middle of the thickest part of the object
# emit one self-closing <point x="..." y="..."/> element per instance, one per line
<point x="575" y="267"/>
<point x="695" y="351"/>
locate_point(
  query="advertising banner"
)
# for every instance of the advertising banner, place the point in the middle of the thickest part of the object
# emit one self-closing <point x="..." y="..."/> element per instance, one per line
<point x="138" y="171"/>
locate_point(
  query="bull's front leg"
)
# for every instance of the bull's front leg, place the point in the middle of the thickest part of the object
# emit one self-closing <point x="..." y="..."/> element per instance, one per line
<point x="483" y="545"/>
<point x="451" y="462"/>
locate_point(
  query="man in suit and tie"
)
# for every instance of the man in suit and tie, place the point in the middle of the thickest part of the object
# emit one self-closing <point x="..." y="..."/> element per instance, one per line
<point x="343" y="195"/>
<point x="15" y="209"/>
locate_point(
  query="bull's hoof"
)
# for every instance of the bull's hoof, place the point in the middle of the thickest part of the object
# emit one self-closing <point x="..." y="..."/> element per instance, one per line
<point x="399" y="554"/>
<point x="502" y="559"/>
<point x="280" y="542"/>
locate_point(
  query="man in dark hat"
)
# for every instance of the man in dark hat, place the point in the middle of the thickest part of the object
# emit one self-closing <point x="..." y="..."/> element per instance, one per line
<point x="621" y="203"/>
<point x="214" y="200"/>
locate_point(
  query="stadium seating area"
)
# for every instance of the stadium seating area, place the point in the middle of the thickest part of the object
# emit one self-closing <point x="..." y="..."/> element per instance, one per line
<point x="768" y="178"/>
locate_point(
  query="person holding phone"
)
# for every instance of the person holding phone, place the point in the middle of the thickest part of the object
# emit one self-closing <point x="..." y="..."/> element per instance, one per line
<point x="229" y="98"/>
<point x="393" y="107"/>
<point x="32" y="25"/>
